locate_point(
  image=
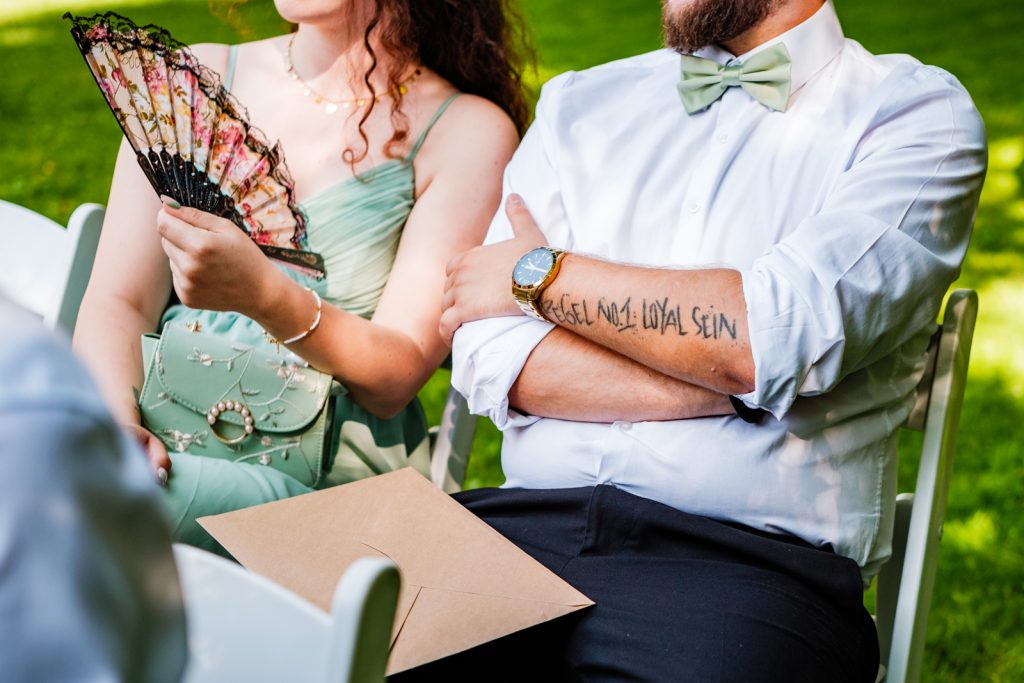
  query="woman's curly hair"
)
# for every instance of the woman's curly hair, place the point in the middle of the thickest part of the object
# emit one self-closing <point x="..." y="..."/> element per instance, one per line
<point x="480" y="46"/>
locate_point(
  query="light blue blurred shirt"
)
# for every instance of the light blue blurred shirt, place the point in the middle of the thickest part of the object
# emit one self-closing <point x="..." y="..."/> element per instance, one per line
<point x="88" y="589"/>
<point x="847" y="215"/>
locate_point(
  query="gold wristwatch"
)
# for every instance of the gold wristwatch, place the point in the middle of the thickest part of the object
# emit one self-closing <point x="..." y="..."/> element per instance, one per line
<point x="534" y="271"/>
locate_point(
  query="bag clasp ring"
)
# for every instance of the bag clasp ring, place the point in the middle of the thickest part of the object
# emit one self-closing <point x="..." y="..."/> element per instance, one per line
<point x="213" y="416"/>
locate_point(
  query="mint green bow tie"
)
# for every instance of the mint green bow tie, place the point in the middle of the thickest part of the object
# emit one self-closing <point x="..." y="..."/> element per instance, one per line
<point x="765" y="76"/>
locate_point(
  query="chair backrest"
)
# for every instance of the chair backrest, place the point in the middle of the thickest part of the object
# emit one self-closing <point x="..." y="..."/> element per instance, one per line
<point x="906" y="581"/>
<point x="451" y="442"/>
<point x="243" y="627"/>
<point x="44" y="266"/>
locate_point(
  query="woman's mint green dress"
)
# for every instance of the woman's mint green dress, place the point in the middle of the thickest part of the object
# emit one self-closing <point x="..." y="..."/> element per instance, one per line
<point x="356" y="225"/>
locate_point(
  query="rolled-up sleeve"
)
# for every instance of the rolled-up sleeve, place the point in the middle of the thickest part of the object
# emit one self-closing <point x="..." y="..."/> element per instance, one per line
<point x="869" y="270"/>
<point x="487" y="355"/>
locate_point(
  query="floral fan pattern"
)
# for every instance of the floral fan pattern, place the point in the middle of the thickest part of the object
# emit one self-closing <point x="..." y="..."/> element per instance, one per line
<point x="191" y="137"/>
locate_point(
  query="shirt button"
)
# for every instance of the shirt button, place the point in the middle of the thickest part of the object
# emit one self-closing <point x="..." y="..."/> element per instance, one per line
<point x="723" y="138"/>
<point x="623" y="425"/>
<point x="693" y="207"/>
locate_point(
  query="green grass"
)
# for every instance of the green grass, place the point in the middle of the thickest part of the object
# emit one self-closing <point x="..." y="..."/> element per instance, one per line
<point x="57" y="145"/>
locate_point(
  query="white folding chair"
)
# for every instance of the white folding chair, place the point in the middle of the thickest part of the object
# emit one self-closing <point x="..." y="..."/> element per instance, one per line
<point x="243" y="627"/>
<point x="451" y="441"/>
<point x="906" y="581"/>
<point x="45" y="266"/>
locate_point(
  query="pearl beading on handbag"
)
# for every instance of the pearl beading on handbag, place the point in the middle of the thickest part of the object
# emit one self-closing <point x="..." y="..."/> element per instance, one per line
<point x="213" y="415"/>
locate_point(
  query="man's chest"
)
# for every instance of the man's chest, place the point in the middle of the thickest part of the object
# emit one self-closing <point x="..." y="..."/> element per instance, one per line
<point x="718" y="188"/>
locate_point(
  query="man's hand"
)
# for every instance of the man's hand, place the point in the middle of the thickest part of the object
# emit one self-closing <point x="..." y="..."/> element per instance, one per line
<point x="479" y="281"/>
<point x="215" y="266"/>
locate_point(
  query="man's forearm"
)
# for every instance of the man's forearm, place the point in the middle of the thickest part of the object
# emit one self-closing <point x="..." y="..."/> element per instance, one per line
<point x="687" y="324"/>
<point x="571" y="378"/>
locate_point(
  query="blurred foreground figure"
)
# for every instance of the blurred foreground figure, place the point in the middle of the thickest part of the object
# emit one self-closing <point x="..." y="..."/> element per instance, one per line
<point x="88" y="589"/>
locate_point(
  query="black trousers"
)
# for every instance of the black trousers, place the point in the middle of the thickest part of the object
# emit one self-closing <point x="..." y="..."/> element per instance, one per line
<point x="679" y="598"/>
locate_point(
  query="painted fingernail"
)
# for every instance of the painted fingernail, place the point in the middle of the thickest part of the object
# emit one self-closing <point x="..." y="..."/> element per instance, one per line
<point x="161" y="475"/>
<point x="170" y="201"/>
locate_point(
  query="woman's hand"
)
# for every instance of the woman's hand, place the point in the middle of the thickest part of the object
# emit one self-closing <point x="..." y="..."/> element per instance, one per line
<point x="214" y="265"/>
<point x="155" y="450"/>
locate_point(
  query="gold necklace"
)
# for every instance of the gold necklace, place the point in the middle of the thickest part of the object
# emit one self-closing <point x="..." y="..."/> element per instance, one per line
<point x="332" y="106"/>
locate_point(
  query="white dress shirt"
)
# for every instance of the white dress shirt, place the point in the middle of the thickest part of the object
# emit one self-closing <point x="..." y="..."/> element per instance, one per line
<point x="88" y="588"/>
<point x="848" y="216"/>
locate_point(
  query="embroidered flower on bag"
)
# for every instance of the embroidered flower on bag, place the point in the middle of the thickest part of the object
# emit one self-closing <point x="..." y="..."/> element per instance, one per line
<point x="197" y="356"/>
<point x="180" y="441"/>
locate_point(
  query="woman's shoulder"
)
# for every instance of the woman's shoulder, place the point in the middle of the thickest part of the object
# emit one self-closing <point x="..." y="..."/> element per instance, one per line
<point x="480" y="110"/>
<point x="473" y="138"/>
<point x="470" y="121"/>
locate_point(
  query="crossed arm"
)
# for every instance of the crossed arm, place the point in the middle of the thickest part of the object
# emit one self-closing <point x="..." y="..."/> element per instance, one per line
<point x="844" y="288"/>
<point x="638" y="343"/>
<point x="565" y="367"/>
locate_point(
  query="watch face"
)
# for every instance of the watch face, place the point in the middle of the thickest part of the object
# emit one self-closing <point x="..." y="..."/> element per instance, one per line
<point x="533" y="267"/>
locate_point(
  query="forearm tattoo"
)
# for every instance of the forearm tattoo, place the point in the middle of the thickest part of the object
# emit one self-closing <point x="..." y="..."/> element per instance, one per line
<point x="662" y="316"/>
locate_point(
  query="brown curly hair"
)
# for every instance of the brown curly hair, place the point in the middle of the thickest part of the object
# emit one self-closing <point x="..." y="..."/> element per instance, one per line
<point x="480" y="46"/>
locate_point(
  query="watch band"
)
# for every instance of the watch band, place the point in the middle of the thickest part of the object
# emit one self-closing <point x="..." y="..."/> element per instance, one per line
<point x="532" y="309"/>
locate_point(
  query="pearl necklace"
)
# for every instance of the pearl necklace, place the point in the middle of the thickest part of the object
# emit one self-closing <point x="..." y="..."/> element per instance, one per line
<point x="332" y="106"/>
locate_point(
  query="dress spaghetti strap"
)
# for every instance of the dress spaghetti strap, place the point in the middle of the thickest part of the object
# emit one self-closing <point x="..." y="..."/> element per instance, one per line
<point x="229" y="71"/>
<point x="430" y="124"/>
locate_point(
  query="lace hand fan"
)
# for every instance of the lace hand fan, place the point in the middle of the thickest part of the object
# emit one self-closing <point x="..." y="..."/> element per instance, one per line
<point x="191" y="137"/>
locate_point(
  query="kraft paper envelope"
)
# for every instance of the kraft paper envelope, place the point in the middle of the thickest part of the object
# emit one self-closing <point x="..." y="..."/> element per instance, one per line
<point x="463" y="584"/>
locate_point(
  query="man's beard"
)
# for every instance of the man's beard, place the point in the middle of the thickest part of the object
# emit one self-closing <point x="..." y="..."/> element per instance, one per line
<point x="698" y="23"/>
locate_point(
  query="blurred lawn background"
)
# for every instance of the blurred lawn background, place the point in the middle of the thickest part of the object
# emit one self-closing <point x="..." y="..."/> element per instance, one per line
<point x="58" y="141"/>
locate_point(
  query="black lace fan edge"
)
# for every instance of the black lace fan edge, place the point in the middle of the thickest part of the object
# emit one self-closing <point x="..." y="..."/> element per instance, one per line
<point x="124" y="34"/>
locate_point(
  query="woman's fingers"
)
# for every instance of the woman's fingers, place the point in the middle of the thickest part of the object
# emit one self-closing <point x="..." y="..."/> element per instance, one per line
<point x="219" y="269"/>
<point x="188" y="278"/>
<point x="178" y="232"/>
<point x="195" y="217"/>
<point x="191" y="230"/>
<point x="175" y="254"/>
<point x="177" y="260"/>
<point x="158" y="458"/>
<point x="155" y="451"/>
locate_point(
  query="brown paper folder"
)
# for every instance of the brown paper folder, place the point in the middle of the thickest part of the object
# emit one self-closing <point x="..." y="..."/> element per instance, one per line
<point x="463" y="584"/>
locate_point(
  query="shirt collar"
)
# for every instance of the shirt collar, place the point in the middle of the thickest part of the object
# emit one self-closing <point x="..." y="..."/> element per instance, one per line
<point x="811" y="44"/>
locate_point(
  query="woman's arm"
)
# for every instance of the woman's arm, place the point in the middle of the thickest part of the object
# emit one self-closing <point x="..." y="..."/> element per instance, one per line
<point x="383" y="362"/>
<point x="128" y="290"/>
<point x="130" y="283"/>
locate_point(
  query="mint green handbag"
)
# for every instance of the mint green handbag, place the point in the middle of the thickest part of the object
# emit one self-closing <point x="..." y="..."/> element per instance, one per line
<point x="211" y="396"/>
